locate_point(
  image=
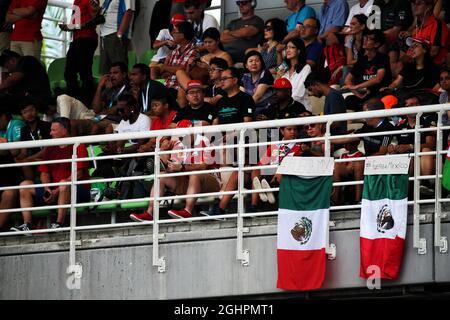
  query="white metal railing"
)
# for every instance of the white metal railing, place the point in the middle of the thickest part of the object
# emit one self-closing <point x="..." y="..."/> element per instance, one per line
<point x="241" y="129"/>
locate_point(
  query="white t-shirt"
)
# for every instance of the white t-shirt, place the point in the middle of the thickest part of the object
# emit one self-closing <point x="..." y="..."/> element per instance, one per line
<point x="208" y="22"/>
<point x="298" y="86"/>
<point x="142" y="123"/>
<point x="112" y="24"/>
<point x="356" y="9"/>
<point x="163" y="51"/>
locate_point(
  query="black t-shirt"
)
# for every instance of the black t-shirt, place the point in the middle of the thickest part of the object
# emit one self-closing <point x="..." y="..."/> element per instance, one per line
<point x="42" y="132"/>
<point x="155" y="89"/>
<point x="292" y="110"/>
<point x="4" y="5"/>
<point x="372" y="144"/>
<point x="35" y="82"/>
<point x="234" y="109"/>
<point x="395" y="13"/>
<point x="212" y="91"/>
<point x="426" y="121"/>
<point x="413" y="78"/>
<point x="9" y="176"/>
<point x="335" y="103"/>
<point x="205" y="113"/>
<point x="365" y="70"/>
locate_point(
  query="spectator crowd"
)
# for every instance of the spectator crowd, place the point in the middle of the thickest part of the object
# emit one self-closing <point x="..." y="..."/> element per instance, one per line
<point x="376" y="55"/>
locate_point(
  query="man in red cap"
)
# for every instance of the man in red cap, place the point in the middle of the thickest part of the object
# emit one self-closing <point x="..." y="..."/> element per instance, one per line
<point x="164" y="43"/>
<point x="182" y="161"/>
<point x="284" y="107"/>
<point x="197" y="110"/>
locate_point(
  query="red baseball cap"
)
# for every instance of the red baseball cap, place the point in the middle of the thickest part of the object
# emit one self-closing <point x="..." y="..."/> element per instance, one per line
<point x="282" y="83"/>
<point x="194" y="84"/>
<point x="184" y="124"/>
<point x="389" y="101"/>
<point x="177" y="18"/>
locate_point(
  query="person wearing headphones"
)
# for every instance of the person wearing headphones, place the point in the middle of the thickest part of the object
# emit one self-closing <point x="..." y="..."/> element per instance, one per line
<point x="244" y="32"/>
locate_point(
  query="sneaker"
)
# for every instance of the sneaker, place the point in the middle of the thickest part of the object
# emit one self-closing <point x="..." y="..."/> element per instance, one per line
<point x="270" y="195"/>
<point x="214" y="210"/>
<point x="23" y="227"/>
<point x="426" y="192"/>
<point x="55" y="225"/>
<point x="141" y="217"/>
<point x="252" y="209"/>
<point x="257" y="186"/>
<point x="179" y="214"/>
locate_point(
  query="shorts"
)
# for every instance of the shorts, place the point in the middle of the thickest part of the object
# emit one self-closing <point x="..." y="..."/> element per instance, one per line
<point x="83" y="195"/>
<point x="208" y="182"/>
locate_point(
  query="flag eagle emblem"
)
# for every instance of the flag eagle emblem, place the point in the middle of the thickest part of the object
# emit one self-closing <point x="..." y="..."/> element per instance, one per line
<point x="302" y="230"/>
<point x="385" y="221"/>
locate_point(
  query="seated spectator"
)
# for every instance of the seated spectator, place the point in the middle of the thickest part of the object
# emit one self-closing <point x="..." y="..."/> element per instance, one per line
<point x="33" y="130"/>
<point x="10" y="128"/>
<point x="201" y="21"/>
<point x="198" y="68"/>
<point x="257" y="81"/>
<point x="405" y="143"/>
<point x="334" y="101"/>
<point x="308" y="33"/>
<point x="431" y="29"/>
<point x="370" y="73"/>
<point x="444" y="81"/>
<point x="332" y="17"/>
<point x="373" y="146"/>
<point x="300" y="12"/>
<point x="197" y="110"/>
<point x="236" y="106"/>
<point x="285" y="106"/>
<point x="297" y="71"/>
<point x="420" y="73"/>
<point x="144" y="89"/>
<point x="164" y="43"/>
<point x="314" y="148"/>
<point x="182" y="185"/>
<point x="9" y="177"/>
<point x="132" y="121"/>
<point x="179" y="58"/>
<point x="274" y="33"/>
<point x="27" y="77"/>
<point x="396" y="16"/>
<point x="214" y="92"/>
<point x="52" y="173"/>
<point x="361" y="7"/>
<point x="244" y="32"/>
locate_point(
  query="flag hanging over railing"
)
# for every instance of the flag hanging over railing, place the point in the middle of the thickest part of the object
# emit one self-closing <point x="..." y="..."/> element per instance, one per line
<point x="303" y="216"/>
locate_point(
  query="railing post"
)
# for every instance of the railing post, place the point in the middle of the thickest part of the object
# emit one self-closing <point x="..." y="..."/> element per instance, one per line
<point x="159" y="262"/>
<point x="74" y="270"/>
<point x="241" y="254"/>
<point x="64" y="46"/>
<point x="419" y="243"/>
<point x="439" y="241"/>
<point x="331" y="247"/>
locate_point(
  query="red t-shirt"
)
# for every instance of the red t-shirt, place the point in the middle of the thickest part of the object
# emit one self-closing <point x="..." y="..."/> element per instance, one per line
<point x="87" y="14"/>
<point x="436" y="32"/>
<point x="158" y="124"/>
<point x="61" y="171"/>
<point x="276" y="153"/>
<point x="28" y="29"/>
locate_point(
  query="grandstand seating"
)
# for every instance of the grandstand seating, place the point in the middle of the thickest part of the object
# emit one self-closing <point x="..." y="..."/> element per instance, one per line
<point x="56" y="74"/>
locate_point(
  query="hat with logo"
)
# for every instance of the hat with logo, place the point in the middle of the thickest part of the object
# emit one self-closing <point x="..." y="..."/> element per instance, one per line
<point x="282" y="83"/>
<point x="194" y="84"/>
<point x="177" y="18"/>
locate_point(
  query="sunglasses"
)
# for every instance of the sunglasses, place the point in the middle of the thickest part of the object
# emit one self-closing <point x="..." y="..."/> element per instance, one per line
<point x="268" y="28"/>
<point x="310" y="126"/>
<point x="242" y="3"/>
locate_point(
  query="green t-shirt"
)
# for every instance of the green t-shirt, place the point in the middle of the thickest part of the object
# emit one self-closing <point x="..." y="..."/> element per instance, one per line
<point x="12" y="132"/>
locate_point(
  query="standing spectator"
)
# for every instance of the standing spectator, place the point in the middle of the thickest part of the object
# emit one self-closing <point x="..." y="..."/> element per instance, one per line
<point x="201" y="21"/>
<point x="257" y="81"/>
<point x="179" y="58"/>
<point x="80" y="56"/>
<point x="160" y="18"/>
<point x="285" y="106"/>
<point x="54" y="173"/>
<point x="370" y="73"/>
<point x="308" y="32"/>
<point x="332" y="17"/>
<point x="297" y="70"/>
<point x="197" y="111"/>
<point x="244" y="32"/>
<point x="5" y="30"/>
<point x="115" y="33"/>
<point x="236" y="106"/>
<point x="334" y="101"/>
<point x="26" y="16"/>
<point x="26" y="77"/>
<point x="300" y="12"/>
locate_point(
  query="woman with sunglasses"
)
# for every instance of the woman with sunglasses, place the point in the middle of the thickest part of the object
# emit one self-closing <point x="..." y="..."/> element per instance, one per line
<point x="257" y="81"/>
<point x="297" y="70"/>
<point x="274" y="33"/>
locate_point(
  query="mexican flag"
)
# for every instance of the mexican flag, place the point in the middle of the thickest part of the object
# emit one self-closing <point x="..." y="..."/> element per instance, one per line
<point x="383" y="224"/>
<point x="446" y="170"/>
<point x="303" y="217"/>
